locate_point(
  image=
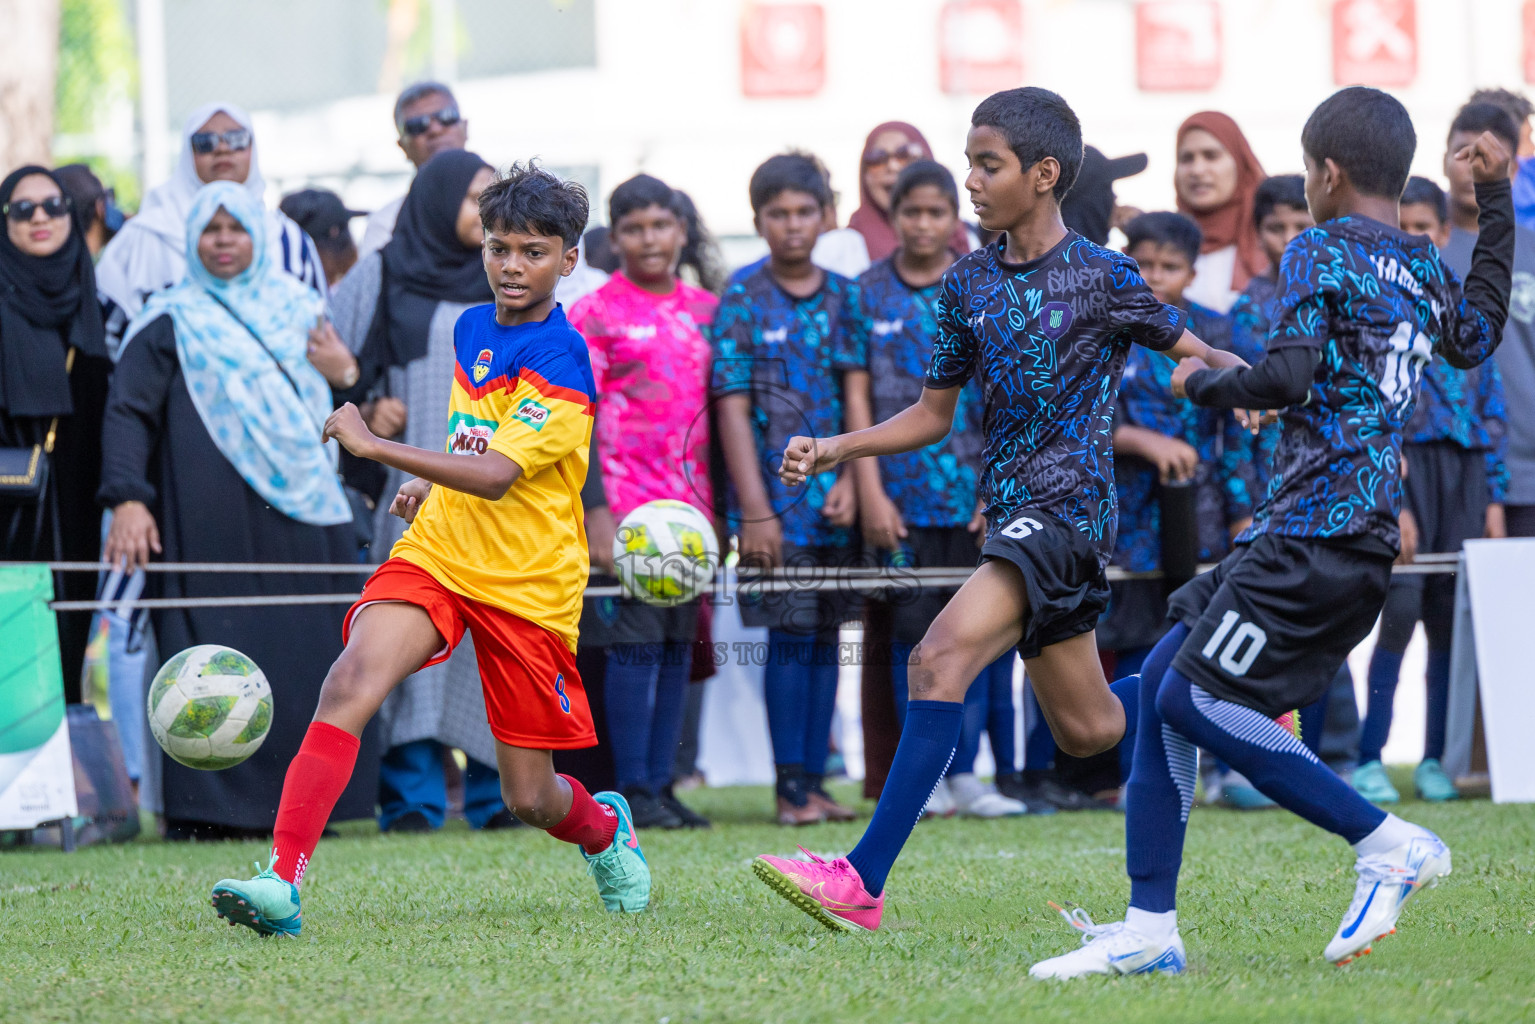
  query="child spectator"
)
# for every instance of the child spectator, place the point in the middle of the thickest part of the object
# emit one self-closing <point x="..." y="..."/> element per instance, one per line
<point x="921" y="508"/>
<point x="650" y="362"/>
<point x="1453" y="447"/>
<point x="1164" y="442"/>
<point x="774" y="377"/>
<point x="1279" y="210"/>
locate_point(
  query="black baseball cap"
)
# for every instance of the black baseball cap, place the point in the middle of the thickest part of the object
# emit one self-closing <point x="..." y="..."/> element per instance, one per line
<point x="1089" y="206"/>
<point x="318" y="211"/>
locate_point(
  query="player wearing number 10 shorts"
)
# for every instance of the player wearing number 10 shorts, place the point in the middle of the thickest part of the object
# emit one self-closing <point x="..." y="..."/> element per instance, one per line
<point x="1362" y="307"/>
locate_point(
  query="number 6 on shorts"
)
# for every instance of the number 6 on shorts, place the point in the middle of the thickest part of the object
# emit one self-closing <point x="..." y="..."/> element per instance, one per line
<point x="1246" y="633"/>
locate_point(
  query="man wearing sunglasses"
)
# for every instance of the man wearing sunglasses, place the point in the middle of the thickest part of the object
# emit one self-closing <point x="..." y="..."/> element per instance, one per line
<point x="428" y="121"/>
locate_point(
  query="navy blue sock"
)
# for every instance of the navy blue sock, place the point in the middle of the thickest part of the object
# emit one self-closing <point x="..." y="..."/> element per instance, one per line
<point x="970" y="729"/>
<point x="1313" y="722"/>
<point x="1385" y="670"/>
<point x="629" y="690"/>
<point x="1128" y="690"/>
<point x="821" y="697"/>
<point x="1437" y="708"/>
<point x="1160" y="792"/>
<point x="1282" y="767"/>
<point x="998" y="678"/>
<point x="786" y="691"/>
<point x="1038" y="742"/>
<point x="927" y="746"/>
<point x="667" y="713"/>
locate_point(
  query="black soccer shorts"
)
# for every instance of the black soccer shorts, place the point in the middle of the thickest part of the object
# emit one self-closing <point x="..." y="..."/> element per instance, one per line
<point x="1270" y="625"/>
<point x="1062" y="578"/>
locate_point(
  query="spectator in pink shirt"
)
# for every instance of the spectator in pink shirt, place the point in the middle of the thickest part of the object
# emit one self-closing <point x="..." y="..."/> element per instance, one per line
<point x="650" y="360"/>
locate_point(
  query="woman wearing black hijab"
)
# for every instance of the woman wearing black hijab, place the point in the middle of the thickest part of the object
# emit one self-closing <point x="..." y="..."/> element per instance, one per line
<point x="396" y="309"/>
<point x="53" y="381"/>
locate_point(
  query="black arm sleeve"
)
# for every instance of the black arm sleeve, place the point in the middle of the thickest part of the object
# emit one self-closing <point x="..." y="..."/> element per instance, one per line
<point x="134" y="421"/>
<point x="1491" y="280"/>
<point x="1281" y="379"/>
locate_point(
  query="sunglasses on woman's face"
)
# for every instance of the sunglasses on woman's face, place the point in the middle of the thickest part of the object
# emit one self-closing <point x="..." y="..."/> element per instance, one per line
<point x="22" y="210"/>
<point x="413" y="126"/>
<point x="901" y="154"/>
<point x="206" y="142"/>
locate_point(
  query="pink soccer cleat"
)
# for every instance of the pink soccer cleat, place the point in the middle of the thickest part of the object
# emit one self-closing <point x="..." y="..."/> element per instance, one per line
<point x="829" y="891"/>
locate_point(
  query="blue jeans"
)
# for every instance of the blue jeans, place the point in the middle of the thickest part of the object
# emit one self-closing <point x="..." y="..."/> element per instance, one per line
<point x="410" y="778"/>
<point x="646" y="694"/>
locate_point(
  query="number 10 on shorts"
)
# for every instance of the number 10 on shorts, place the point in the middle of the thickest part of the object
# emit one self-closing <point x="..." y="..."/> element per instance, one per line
<point x="1238" y="644"/>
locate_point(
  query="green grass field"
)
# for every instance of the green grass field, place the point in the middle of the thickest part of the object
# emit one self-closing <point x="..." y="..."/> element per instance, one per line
<point x="461" y="926"/>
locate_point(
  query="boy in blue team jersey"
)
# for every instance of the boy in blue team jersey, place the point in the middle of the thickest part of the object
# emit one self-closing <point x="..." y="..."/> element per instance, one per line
<point x="1454" y="447"/>
<point x="919" y="508"/>
<point x="775" y="375"/>
<point x="1362" y="308"/>
<point x="1042" y="320"/>
<point x="1279" y="210"/>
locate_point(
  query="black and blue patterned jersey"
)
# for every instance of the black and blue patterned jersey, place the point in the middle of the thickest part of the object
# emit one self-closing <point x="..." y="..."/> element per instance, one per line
<point x="890" y="332"/>
<point x="1465" y="408"/>
<point x="1252" y="315"/>
<point x="781" y="350"/>
<point x="1224" y="483"/>
<point x="1377" y="303"/>
<point x="1047" y="341"/>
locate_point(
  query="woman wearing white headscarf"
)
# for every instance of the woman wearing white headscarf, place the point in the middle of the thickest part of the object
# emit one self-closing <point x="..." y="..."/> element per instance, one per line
<point x="218" y="143"/>
<point x="212" y="453"/>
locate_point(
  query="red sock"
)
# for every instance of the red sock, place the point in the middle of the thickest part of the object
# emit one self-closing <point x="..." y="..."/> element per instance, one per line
<point x="319" y="772"/>
<point x="589" y="825"/>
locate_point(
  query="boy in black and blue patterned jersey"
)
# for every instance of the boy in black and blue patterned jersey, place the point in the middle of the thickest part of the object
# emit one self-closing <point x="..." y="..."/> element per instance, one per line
<point x="1455" y="447"/>
<point x="920" y="507"/>
<point x="1161" y="440"/>
<point x="1279" y="210"/>
<point x="1362" y="308"/>
<point x="1043" y="321"/>
<point x="775" y="376"/>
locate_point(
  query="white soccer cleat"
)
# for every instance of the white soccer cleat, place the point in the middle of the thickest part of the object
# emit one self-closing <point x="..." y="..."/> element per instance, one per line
<point x="1386" y="883"/>
<point x="941" y="803"/>
<point x="1113" y="948"/>
<point x="975" y="799"/>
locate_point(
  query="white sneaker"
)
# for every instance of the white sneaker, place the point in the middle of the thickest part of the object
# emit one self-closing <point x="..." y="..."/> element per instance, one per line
<point x="1113" y="948"/>
<point x="941" y="803"/>
<point x="1386" y="883"/>
<point x="976" y="799"/>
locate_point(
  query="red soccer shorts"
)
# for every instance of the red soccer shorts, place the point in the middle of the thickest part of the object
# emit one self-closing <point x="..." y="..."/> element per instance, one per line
<point x="533" y="694"/>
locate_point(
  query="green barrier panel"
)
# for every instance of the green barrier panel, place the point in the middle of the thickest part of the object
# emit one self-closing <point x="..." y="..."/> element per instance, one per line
<point x="31" y="677"/>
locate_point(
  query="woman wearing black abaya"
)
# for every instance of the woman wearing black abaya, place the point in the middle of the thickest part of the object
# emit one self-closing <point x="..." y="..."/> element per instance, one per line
<point x="53" y="378"/>
<point x="216" y="457"/>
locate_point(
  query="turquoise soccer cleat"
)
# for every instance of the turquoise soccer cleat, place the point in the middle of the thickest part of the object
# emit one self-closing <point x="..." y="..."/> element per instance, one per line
<point x="267" y="904"/>
<point x="621" y="871"/>
<point x="1372" y="783"/>
<point x="1433" y="783"/>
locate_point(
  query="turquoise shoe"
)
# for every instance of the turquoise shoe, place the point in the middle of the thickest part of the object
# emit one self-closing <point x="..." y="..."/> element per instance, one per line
<point x="1372" y="783"/>
<point x="621" y="871"/>
<point x="267" y="904"/>
<point x="1241" y="795"/>
<point x="1433" y="783"/>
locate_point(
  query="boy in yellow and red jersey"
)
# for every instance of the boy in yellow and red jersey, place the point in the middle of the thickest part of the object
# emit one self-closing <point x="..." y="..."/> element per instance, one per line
<point x="496" y="546"/>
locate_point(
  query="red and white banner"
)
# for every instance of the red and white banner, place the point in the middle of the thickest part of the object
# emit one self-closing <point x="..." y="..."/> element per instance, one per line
<point x="1374" y="42"/>
<point x="1177" y="45"/>
<point x="783" y="50"/>
<point x="980" y="46"/>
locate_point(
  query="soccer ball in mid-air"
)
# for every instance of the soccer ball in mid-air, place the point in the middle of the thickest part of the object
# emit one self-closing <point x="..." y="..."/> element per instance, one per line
<point x="665" y="552"/>
<point x="210" y="707"/>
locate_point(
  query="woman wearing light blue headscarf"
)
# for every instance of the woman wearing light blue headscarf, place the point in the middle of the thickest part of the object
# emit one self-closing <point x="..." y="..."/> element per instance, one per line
<point x="212" y="453"/>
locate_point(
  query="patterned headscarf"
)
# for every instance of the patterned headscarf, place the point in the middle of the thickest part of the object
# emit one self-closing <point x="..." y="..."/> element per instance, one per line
<point x="268" y="431"/>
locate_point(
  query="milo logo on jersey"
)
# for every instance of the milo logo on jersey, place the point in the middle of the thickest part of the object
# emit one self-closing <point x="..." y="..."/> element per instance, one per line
<point x="468" y="435"/>
<point x="481" y="365"/>
<point x="534" y="414"/>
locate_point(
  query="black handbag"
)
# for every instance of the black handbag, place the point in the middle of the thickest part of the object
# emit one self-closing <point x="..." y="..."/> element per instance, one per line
<point x="362" y="506"/>
<point x="24" y="469"/>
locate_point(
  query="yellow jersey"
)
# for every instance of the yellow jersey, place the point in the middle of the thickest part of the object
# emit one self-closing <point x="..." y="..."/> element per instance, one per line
<point x="526" y="392"/>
